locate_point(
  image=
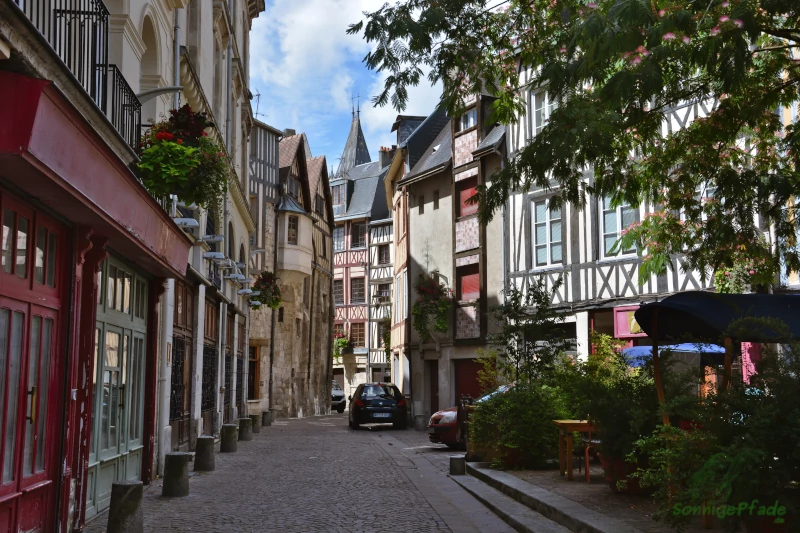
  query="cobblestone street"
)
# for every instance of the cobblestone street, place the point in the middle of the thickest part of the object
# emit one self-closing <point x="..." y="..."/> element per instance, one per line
<point x="316" y="474"/>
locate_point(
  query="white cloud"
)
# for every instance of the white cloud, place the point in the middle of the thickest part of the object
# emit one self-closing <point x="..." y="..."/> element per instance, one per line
<point x="307" y="69"/>
<point x="377" y="121"/>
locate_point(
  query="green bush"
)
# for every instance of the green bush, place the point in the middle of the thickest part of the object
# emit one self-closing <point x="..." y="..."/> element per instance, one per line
<point x="516" y="427"/>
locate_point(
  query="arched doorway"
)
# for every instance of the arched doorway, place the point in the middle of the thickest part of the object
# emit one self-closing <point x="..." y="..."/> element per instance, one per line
<point x="149" y="75"/>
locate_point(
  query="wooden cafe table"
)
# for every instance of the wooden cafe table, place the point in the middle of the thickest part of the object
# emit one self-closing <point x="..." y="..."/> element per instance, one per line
<point x="565" y="430"/>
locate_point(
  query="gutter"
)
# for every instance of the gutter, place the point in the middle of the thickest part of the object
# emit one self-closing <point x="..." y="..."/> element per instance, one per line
<point x="421" y="176"/>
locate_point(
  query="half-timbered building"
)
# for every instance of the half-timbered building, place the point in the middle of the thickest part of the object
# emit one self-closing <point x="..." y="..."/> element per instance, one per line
<point x="600" y="288"/>
<point x="290" y="347"/>
<point x="358" y="198"/>
<point x="446" y="241"/>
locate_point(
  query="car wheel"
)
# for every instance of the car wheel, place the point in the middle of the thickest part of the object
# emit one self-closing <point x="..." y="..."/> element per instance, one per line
<point x="400" y="425"/>
<point x="340" y="410"/>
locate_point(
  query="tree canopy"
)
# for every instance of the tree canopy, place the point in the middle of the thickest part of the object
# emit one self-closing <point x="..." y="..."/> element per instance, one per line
<point x="616" y="68"/>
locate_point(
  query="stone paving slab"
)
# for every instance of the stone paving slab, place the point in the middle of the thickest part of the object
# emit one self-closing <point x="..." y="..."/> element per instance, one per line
<point x="317" y="475"/>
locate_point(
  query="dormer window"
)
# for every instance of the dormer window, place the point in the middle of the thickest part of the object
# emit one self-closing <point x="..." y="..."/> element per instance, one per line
<point x="338" y="194"/>
<point x="293" y="188"/>
<point x="467" y="120"/>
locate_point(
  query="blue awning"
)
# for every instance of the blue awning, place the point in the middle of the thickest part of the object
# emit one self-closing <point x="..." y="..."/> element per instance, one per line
<point x="637" y="355"/>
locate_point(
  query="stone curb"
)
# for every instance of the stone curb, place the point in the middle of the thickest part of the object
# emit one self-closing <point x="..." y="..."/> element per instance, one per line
<point x="564" y="511"/>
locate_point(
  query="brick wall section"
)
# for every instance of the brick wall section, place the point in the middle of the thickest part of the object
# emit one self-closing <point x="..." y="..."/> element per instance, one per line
<point x="467" y="234"/>
<point x="467" y="325"/>
<point x="464" y="146"/>
<point x="466" y="174"/>
<point x="469" y="260"/>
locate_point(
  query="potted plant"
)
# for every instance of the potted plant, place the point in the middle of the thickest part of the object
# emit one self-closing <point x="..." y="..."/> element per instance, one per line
<point x="340" y="343"/>
<point x="431" y="310"/>
<point x="270" y="291"/>
<point x="177" y="157"/>
<point x="622" y="405"/>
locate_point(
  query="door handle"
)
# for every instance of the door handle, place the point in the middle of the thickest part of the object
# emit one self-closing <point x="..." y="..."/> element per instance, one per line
<point x="32" y="394"/>
<point x="122" y="396"/>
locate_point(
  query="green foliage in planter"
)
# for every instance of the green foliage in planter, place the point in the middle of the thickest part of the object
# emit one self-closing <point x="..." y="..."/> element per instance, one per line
<point x="744" y="444"/>
<point x="517" y="426"/>
<point x="386" y="336"/>
<point x="432" y="308"/>
<point x="340" y="343"/>
<point x="178" y="158"/>
<point x="267" y="285"/>
<point x="746" y="271"/>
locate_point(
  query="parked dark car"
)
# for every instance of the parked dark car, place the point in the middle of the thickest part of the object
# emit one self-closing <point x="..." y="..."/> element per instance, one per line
<point x="378" y="403"/>
<point x="447" y="426"/>
<point x="338" y="402"/>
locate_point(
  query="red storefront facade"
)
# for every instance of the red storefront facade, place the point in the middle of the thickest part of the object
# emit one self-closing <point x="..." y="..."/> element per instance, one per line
<point x="67" y="202"/>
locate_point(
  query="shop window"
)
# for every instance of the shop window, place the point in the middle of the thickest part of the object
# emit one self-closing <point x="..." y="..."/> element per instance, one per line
<point x="468" y="283"/>
<point x="466" y="190"/>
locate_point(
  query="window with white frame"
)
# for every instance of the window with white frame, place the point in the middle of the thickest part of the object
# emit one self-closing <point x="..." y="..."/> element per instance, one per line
<point x="467" y="120"/>
<point x="542" y="106"/>
<point x="613" y="220"/>
<point x="338" y="239"/>
<point x="548" y="240"/>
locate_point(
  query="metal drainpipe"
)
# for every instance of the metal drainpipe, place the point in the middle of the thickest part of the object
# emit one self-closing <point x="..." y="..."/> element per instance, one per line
<point x="228" y="113"/>
<point x="311" y="311"/>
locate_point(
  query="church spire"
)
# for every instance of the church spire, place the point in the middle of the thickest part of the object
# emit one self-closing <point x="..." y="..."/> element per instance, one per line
<point x="355" y="149"/>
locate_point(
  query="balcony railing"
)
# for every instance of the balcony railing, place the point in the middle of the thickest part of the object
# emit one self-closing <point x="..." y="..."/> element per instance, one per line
<point x="77" y="31"/>
<point x="123" y="109"/>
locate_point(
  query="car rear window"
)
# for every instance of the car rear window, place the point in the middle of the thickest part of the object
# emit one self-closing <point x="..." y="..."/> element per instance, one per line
<point x="375" y="391"/>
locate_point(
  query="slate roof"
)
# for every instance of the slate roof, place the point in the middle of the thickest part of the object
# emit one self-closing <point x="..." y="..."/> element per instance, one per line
<point x="355" y="149"/>
<point x="367" y="198"/>
<point x="405" y="126"/>
<point x="438" y="155"/>
<point x="421" y="138"/>
<point x="492" y="140"/>
<point x="290" y="205"/>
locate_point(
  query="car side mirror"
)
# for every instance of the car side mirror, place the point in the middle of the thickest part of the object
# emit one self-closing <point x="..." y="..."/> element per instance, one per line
<point x="350" y="398"/>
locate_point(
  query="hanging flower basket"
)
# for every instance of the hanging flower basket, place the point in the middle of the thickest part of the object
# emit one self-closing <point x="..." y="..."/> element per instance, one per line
<point x="340" y="343"/>
<point x="178" y="158"/>
<point x="267" y="285"/>
<point x="431" y="311"/>
<point x="749" y="270"/>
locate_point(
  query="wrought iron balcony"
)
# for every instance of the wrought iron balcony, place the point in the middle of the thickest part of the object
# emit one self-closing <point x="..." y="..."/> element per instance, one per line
<point x="77" y="31"/>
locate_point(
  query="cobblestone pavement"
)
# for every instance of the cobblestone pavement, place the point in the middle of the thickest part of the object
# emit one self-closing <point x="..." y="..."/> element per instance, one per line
<point x="315" y="474"/>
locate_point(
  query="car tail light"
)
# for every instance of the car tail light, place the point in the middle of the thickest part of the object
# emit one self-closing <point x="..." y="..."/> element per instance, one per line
<point x="401" y="403"/>
<point x="358" y="403"/>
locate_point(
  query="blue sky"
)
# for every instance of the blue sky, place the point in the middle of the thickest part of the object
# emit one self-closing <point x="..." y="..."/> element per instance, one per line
<point x="306" y="69"/>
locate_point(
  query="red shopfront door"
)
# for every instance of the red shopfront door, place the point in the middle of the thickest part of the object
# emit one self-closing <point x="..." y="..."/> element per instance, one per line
<point x="30" y="358"/>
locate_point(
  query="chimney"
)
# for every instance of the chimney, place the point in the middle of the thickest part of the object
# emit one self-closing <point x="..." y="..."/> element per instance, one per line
<point x="288" y="132"/>
<point x="385" y="155"/>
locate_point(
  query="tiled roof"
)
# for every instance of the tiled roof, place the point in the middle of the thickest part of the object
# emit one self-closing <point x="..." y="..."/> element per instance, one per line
<point x="287" y="149"/>
<point x="438" y="153"/>
<point x="355" y="149"/>
<point x="315" y="165"/>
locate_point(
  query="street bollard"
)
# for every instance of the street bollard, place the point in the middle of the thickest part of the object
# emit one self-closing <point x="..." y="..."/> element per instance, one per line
<point x="255" y="423"/>
<point x="266" y="418"/>
<point x="176" y="474"/>
<point x="204" y="457"/>
<point x="245" y="429"/>
<point x="125" y="513"/>
<point x="228" y="437"/>
<point x="458" y="465"/>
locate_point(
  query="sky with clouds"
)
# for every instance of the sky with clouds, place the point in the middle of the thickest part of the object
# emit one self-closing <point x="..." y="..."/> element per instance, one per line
<point x="306" y="69"/>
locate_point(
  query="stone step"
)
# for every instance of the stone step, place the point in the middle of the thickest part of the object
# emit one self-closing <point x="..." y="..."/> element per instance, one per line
<point x="512" y="512"/>
<point x="570" y="514"/>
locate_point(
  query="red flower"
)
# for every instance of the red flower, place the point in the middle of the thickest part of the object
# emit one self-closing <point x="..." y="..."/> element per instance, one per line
<point x="180" y="141"/>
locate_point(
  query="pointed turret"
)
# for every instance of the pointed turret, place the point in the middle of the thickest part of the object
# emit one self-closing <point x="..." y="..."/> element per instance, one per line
<point x="355" y="150"/>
